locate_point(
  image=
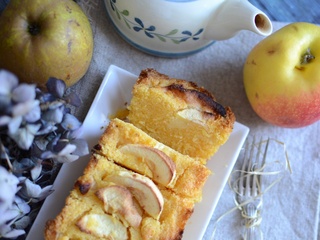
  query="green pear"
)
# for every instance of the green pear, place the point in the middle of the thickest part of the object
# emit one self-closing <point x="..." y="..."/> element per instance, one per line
<point x="45" y="38"/>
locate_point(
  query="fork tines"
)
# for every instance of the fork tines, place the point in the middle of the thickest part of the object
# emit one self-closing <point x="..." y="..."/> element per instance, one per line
<point x="249" y="186"/>
<point x="253" y="163"/>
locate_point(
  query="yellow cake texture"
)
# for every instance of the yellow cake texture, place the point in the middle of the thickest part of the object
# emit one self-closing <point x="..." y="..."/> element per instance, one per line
<point x="180" y="114"/>
<point x="124" y="193"/>
<point x="87" y="215"/>
<point x="132" y="148"/>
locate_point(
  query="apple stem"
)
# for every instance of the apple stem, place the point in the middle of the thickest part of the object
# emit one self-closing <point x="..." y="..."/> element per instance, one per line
<point x="307" y="57"/>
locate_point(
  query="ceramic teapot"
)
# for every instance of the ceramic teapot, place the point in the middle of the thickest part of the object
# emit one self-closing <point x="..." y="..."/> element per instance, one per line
<point x="176" y="28"/>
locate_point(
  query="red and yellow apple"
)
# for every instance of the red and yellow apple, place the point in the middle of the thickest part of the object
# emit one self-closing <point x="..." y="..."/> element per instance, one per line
<point x="45" y="38"/>
<point x="282" y="76"/>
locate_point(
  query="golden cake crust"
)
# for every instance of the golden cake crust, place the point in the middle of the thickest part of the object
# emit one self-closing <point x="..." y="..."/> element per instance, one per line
<point x="188" y="92"/>
<point x="180" y="114"/>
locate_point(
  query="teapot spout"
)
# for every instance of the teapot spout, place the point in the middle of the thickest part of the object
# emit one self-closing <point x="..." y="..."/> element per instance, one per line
<point x="236" y="15"/>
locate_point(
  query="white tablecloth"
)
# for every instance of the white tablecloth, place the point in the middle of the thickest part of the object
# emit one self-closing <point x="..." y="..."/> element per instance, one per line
<point x="291" y="208"/>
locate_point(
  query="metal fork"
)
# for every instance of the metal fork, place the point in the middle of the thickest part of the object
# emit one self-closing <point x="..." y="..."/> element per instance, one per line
<point x="249" y="188"/>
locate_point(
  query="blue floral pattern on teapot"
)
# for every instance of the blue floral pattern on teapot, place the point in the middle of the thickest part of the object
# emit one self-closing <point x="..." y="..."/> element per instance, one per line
<point x="138" y="25"/>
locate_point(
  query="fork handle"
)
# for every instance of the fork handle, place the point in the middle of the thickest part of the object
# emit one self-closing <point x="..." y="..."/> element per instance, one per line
<point x="252" y="232"/>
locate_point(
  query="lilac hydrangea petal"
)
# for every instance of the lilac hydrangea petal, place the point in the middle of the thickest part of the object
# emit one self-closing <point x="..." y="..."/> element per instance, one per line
<point x="30" y="190"/>
<point x="67" y="158"/>
<point x="53" y="115"/>
<point x="82" y="147"/>
<point x="4" y="120"/>
<point x="12" y="233"/>
<point x="56" y="104"/>
<point x="34" y="114"/>
<point x="25" y="164"/>
<point x="73" y="99"/>
<point x="23" y="108"/>
<point x="69" y="148"/>
<point x="14" y="125"/>
<point x="53" y="141"/>
<point x="36" y="171"/>
<point x="70" y="122"/>
<point x="65" y="155"/>
<point x="24" y="92"/>
<point x="17" y="210"/>
<point x="8" y="216"/>
<point x="5" y="102"/>
<point x="77" y="133"/>
<point x="23" y="222"/>
<point x="11" y="214"/>
<point x="4" y="228"/>
<point x="8" y="81"/>
<point x="22" y="205"/>
<point x="24" y="136"/>
<point x="45" y="192"/>
<point x="46" y="128"/>
<point x="46" y="97"/>
<point x="56" y="87"/>
<point x="60" y="145"/>
<point x="9" y="187"/>
<point x="40" y="144"/>
<point x="47" y="155"/>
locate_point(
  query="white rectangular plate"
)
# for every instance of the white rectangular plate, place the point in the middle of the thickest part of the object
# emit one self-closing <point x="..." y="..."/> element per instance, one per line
<point x="113" y="94"/>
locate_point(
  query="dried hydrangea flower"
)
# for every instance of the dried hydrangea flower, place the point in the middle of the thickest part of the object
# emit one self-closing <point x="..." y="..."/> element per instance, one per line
<point x="12" y="207"/>
<point x="33" y="192"/>
<point x="9" y="188"/>
<point x="37" y="134"/>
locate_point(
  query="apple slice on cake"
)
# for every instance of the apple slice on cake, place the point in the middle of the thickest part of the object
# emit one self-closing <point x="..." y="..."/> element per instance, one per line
<point x="119" y="200"/>
<point x="160" y="164"/>
<point x="102" y="226"/>
<point x="143" y="189"/>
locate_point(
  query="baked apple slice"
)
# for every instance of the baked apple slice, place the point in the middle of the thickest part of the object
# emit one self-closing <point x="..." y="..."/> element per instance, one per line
<point x="102" y="226"/>
<point x="161" y="165"/>
<point x="119" y="200"/>
<point x="193" y="115"/>
<point x="143" y="189"/>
